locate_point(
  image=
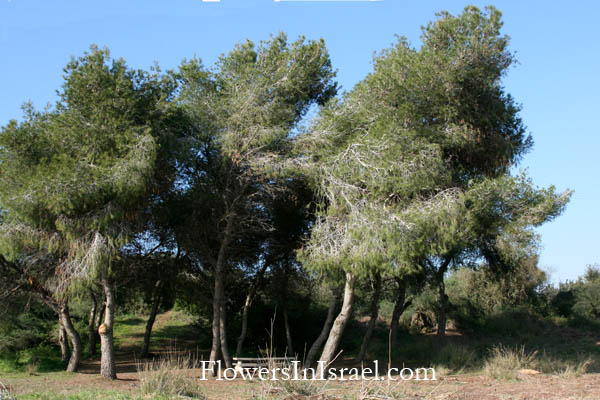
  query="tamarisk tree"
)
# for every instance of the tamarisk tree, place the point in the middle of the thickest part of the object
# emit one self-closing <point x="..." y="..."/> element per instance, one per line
<point x="74" y="179"/>
<point x="396" y="159"/>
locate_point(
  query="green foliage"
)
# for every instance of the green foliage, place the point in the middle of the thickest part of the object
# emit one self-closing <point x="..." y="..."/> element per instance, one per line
<point x="75" y="177"/>
<point x="478" y="295"/>
<point x="579" y="301"/>
<point x="413" y="164"/>
<point x="203" y="174"/>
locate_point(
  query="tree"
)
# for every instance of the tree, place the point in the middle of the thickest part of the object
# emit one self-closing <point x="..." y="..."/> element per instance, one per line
<point x="245" y="109"/>
<point x="394" y="159"/>
<point x="75" y="179"/>
<point x="37" y="274"/>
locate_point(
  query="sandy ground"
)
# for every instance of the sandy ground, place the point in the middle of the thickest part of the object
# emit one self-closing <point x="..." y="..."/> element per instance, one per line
<point x="463" y="387"/>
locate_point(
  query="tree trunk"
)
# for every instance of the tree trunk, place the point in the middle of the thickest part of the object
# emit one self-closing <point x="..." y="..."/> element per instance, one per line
<point x="100" y="318"/>
<point x="242" y="338"/>
<point x="218" y="294"/>
<point x="223" y="333"/>
<point x="156" y="298"/>
<point x="441" y="328"/>
<point x="443" y="299"/>
<point x="284" y="305"/>
<point x="65" y="352"/>
<point x="335" y="335"/>
<point x="74" y="337"/>
<point x="288" y="331"/>
<point x="92" y="326"/>
<point x="372" y="318"/>
<point x="316" y="346"/>
<point x="107" y="346"/>
<point x="399" y="308"/>
<point x="246" y="310"/>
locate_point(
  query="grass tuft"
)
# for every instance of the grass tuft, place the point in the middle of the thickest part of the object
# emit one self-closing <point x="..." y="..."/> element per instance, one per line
<point x="505" y="362"/>
<point x="169" y="376"/>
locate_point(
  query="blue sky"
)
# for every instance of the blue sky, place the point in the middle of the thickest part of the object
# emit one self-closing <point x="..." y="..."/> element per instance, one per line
<point x="557" y="81"/>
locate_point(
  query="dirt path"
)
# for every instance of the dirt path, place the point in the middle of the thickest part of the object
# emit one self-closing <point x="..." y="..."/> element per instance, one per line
<point x="126" y="356"/>
<point x="541" y="387"/>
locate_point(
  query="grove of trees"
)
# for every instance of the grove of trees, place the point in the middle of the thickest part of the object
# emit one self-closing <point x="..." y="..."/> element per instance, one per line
<point x="208" y="186"/>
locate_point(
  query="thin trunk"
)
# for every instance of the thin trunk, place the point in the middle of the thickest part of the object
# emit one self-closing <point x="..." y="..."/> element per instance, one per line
<point x="335" y="335"/>
<point x="246" y="310"/>
<point x="92" y="326"/>
<point x="288" y="331"/>
<point x="74" y="338"/>
<point x="372" y="319"/>
<point x="441" y="329"/>
<point x="223" y="333"/>
<point x="284" y="304"/>
<point x="156" y="298"/>
<point x="218" y="294"/>
<point x="65" y="351"/>
<point x="399" y="308"/>
<point x="107" y="347"/>
<point x="318" y="343"/>
<point x="443" y="301"/>
<point x="100" y="316"/>
<point x="99" y="319"/>
<point x="242" y="338"/>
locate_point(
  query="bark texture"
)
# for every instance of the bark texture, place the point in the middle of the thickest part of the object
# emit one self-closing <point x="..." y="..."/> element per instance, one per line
<point x="74" y="338"/>
<point x="335" y="335"/>
<point x="63" y="341"/>
<point x="92" y="335"/>
<point x="107" y="347"/>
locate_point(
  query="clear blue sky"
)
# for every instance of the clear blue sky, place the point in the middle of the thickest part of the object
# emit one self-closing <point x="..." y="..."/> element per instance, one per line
<point x="557" y="81"/>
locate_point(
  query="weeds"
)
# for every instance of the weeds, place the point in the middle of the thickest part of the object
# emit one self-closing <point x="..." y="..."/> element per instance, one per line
<point x="505" y="362"/>
<point x="169" y="376"/>
<point x="5" y="393"/>
<point x="454" y="358"/>
<point x="565" y="369"/>
<point x="577" y="369"/>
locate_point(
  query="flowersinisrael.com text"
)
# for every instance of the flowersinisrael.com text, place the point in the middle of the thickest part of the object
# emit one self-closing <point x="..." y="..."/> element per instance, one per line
<point x="294" y="372"/>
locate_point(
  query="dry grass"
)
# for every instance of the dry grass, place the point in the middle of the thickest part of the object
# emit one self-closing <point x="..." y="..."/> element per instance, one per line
<point x="5" y="393"/>
<point x="505" y="362"/>
<point x="564" y="369"/>
<point x="169" y="376"/>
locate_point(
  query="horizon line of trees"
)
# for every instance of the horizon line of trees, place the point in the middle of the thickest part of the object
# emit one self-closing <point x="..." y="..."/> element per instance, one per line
<point x="205" y="179"/>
